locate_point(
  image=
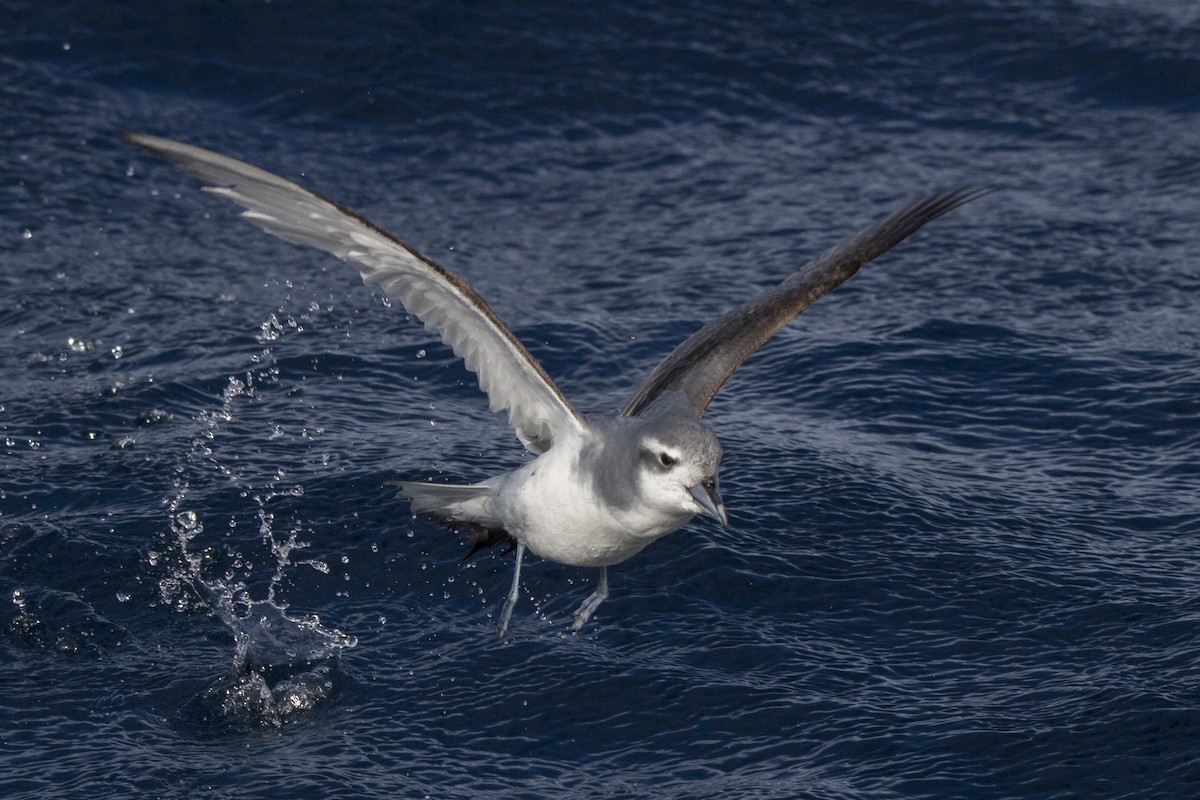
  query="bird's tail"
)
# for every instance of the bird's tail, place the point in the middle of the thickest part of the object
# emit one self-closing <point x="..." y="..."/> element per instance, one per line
<point x="448" y="502"/>
<point x="460" y="506"/>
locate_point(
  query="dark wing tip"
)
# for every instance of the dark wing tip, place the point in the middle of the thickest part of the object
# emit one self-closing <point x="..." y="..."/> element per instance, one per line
<point x="935" y="204"/>
<point x="951" y="197"/>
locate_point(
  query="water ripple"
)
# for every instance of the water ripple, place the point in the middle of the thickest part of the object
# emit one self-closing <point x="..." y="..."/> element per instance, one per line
<point x="962" y="488"/>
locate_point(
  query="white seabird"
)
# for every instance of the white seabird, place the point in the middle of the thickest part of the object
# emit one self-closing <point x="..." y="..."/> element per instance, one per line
<point x="600" y="489"/>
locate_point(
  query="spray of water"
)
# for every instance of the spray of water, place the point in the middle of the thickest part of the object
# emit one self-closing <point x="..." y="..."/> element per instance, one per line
<point x="280" y="661"/>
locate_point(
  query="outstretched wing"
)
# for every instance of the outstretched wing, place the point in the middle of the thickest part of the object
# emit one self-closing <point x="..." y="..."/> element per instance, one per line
<point x="509" y="375"/>
<point x="701" y="365"/>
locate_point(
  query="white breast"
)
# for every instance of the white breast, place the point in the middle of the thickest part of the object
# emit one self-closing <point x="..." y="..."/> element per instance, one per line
<point x="558" y="516"/>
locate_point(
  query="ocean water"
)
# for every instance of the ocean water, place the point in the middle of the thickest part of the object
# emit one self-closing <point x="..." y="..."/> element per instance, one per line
<point x="964" y="488"/>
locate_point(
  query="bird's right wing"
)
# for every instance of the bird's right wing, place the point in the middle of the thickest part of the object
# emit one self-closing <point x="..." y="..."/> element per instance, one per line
<point x="510" y="376"/>
<point x="699" y="367"/>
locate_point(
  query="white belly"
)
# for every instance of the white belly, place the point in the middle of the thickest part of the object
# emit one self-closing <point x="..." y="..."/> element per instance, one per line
<point x="564" y="520"/>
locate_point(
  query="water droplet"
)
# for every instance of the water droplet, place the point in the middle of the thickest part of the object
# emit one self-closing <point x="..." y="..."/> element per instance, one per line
<point x="421" y="353"/>
<point x="117" y="352"/>
<point x="27" y="234"/>
<point x="154" y="416"/>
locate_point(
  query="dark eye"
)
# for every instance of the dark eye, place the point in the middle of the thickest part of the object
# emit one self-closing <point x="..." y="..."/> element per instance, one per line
<point x="666" y="459"/>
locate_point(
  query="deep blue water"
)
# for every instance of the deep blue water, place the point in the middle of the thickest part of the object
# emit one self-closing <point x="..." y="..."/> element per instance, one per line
<point x="964" y="488"/>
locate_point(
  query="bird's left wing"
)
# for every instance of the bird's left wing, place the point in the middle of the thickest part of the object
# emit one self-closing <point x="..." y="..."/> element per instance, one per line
<point x="511" y="377"/>
<point x="698" y="367"/>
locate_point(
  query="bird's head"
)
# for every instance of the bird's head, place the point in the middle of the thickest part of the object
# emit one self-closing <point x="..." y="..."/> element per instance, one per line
<point x="678" y="461"/>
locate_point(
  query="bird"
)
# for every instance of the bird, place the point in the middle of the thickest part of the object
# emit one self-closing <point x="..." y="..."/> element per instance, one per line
<point x="599" y="488"/>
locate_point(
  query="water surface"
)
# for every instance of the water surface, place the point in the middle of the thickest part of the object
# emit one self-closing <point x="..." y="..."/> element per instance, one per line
<point x="963" y="488"/>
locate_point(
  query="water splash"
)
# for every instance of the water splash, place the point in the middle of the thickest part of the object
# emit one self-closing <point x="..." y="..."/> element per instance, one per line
<point x="251" y="697"/>
<point x="278" y="669"/>
<point x="279" y="663"/>
<point x="25" y="627"/>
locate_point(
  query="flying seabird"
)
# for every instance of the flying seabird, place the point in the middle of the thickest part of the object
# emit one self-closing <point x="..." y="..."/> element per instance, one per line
<point x="600" y="488"/>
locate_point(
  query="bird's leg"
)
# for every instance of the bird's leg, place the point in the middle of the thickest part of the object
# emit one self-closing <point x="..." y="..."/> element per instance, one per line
<point x="592" y="603"/>
<point x="511" y="599"/>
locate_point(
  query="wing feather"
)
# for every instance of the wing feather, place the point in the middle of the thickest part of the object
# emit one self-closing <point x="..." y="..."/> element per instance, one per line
<point x="699" y="366"/>
<point x="512" y="379"/>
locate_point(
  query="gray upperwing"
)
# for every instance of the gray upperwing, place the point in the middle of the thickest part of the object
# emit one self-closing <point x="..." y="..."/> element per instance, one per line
<point x="507" y="372"/>
<point x="705" y="360"/>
